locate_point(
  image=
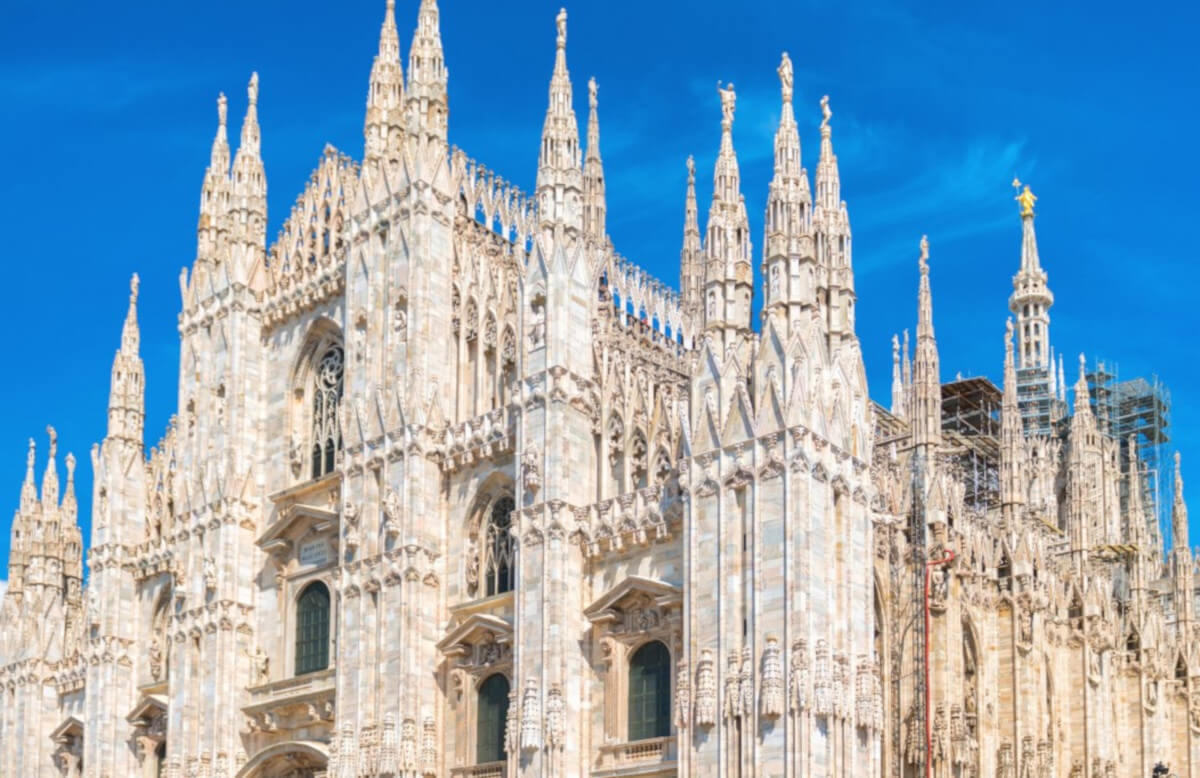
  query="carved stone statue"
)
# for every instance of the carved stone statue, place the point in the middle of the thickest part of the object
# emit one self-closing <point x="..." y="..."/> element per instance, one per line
<point x="785" y="77"/>
<point x="728" y="104"/>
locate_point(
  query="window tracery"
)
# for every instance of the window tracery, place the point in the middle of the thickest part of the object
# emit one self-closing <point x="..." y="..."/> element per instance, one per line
<point x="326" y="397"/>
<point x="498" y="563"/>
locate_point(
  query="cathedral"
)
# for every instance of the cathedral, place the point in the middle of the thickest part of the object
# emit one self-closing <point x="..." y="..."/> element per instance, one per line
<point x="455" y="490"/>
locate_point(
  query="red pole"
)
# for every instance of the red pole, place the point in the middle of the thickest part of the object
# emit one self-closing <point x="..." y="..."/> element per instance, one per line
<point x="928" y="731"/>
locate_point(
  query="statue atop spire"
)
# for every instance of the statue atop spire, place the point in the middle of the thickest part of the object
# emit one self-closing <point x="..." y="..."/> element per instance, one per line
<point x="50" y="479"/>
<point x="728" y="105"/>
<point x="1025" y="198"/>
<point x="786" y="77"/>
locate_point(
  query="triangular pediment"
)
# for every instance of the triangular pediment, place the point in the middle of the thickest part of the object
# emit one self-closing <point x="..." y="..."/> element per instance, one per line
<point x="71" y="727"/>
<point x="150" y="707"/>
<point x="477" y="628"/>
<point x="661" y="593"/>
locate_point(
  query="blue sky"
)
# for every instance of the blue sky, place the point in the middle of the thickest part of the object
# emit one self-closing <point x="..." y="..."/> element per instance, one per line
<point x="937" y="106"/>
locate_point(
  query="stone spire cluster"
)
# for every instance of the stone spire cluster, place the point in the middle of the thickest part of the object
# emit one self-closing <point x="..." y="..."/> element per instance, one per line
<point x="231" y="233"/>
<point x="45" y="565"/>
<point x="831" y="222"/>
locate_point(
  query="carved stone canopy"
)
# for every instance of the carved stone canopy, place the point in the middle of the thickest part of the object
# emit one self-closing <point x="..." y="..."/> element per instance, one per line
<point x="71" y="729"/>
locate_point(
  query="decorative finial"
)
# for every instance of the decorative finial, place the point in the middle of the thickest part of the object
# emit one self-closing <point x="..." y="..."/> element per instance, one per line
<point x="70" y="470"/>
<point x="728" y="104"/>
<point x="32" y="455"/>
<point x="691" y="166"/>
<point x="592" y="89"/>
<point x="895" y="348"/>
<point x="786" y="76"/>
<point x="53" y="441"/>
<point x="1008" y="333"/>
<point x="561" y="21"/>
<point x="924" y="260"/>
<point x="134" y="282"/>
<point x="1025" y="198"/>
<point x="1082" y="366"/>
<point x="222" y="109"/>
<point x="252" y="89"/>
<point x="826" y="112"/>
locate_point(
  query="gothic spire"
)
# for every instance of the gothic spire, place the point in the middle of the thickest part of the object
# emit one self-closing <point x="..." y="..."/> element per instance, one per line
<point x="906" y="369"/>
<point x="29" y="486"/>
<point x="50" y="479"/>
<point x="559" y="171"/>
<point x="69" y="504"/>
<point x="126" y="400"/>
<point x="214" y="195"/>
<point x="897" y="380"/>
<point x="788" y="208"/>
<point x="691" y="262"/>
<point x="728" y="280"/>
<point x="426" y="98"/>
<point x="1179" y="516"/>
<point x="1012" y="458"/>
<point x="249" y="192"/>
<point x="594" y="206"/>
<point x="927" y="387"/>
<point x="1083" y="400"/>
<point x="831" y="223"/>
<point x="385" y="93"/>
<point x="1062" y="380"/>
<point x="829" y="186"/>
<point x="1031" y="298"/>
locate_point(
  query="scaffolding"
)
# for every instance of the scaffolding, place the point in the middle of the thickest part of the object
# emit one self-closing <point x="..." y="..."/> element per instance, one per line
<point x="1042" y="409"/>
<point x="971" y="429"/>
<point x="1141" y="408"/>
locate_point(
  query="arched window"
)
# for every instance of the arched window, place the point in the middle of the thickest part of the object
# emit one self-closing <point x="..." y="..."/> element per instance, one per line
<point x="499" y="564"/>
<point x="312" y="629"/>
<point x="491" y="719"/>
<point x="650" y="692"/>
<point x="327" y="395"/>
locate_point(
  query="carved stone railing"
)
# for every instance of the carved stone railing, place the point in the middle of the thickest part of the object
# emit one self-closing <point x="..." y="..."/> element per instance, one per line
<point x="290" y="703"/>
<point x="477" y="439"/>
<point x="638" y="753"/>
<point x="486" y="770"/>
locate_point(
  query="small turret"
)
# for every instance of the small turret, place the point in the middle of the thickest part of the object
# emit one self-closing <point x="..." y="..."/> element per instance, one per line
<point x="383" y="130"/>
<point x="426" y="103"/>
<point x="560" y="176"/>
<point x="595" y="208"/>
